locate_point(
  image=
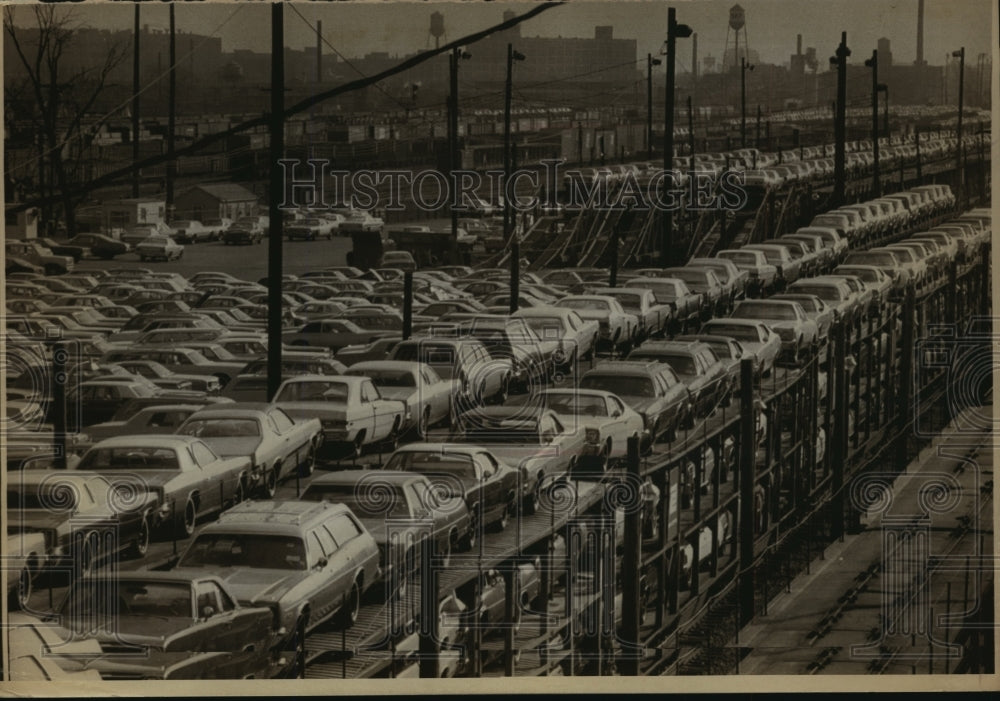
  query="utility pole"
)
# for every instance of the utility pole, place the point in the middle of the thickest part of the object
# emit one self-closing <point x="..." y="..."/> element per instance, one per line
<point x="873" y="64"/>
<point x="171" y="117"/>
<point x="454" y="161"/>
<point x="650" y="62"/>
<point x="509" y="235"/>
<point x="744" y="67"/>
<point x="135" y="102"/>
<point x="959" y="172"/>
<point x="674" y="31"/>
<point x="276" y="196"/>
<point x="840" y="121"/>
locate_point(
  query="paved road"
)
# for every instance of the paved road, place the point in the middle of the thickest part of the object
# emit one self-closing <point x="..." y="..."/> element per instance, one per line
<point x="246" y="262"/>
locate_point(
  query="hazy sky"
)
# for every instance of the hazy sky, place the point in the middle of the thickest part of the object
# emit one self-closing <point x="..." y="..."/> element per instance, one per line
<point x="401" y="27"/>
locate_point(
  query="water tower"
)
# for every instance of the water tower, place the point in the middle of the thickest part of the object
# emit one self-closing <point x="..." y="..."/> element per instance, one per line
<point x="737" y="24"/>
<point x="436" y="29"/>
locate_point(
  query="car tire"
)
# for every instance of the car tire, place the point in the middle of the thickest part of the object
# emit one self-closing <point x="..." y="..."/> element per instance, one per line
<point x="298" y="644"/>
<point x="348" y="614"/>
<point x="270" y="485"/>
<point x="533" y="498"/>
<point x="85" y="555"/>
<point x="140" y="546"/>
<point x="25" y="587"/>
<point x="239" y="493"/>
<point x="307" y="468"/>
<point x="188" y="520"/>
<point x="471" y="538"/>
<point x="501" y="523"/>
<point x="424" y="424"/>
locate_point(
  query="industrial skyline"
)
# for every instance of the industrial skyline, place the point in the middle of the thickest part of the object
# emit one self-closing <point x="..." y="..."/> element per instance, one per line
<point x="401" y="28"/>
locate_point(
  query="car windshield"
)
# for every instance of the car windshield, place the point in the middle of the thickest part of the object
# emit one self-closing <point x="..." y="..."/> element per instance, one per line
<point x="739" y="332"/>
<point x="905" y="255"/>
<point x="389" y="378"/>
<point x="314" y="392"/>
<point x="163" y="599"/>
<point x="740" y="257"/>
<point x="584" y="304"/>
<point x="221" y="428"/>
<point x="546" y="327"/>
<point x="680" y="364"/>
<point x="433" y="462"/>
<point x="254" y="550"/>
<point x="629" y="302"/>
<point x="576" y="404"/>
<point x="366" y="503"/>
<point x="754" y="310"/>
<point x="130" y="458"/>
<point x="883" y="258"/>
<point x="866" y="275"/>
<point x="829" y="293"/>
<point x="626" y="385"/>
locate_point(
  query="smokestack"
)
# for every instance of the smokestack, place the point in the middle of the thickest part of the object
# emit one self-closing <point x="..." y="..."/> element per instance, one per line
<point x="798" y="45"/>
<point x="920" y="32"/>
<point x="694" y="55"/>
<point x="319" y="51"/>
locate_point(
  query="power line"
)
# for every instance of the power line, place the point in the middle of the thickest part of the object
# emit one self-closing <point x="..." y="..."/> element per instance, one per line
<point x="301" y="106"/>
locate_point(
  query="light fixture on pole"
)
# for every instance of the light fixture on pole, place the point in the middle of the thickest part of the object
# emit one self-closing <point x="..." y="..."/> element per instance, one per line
<point x="650" y="62"/>
<point x="674" y="31"/>
<point x="515" y="246"/>
<point x="839" y="60"/>
<point x="744" y="67"/>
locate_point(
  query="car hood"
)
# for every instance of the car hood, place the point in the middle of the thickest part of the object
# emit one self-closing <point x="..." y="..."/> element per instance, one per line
<point x="35" y="519"/>
<point x="260" y="587"/>
<point x="147" y="631"/>
<point x="232" y="446"/>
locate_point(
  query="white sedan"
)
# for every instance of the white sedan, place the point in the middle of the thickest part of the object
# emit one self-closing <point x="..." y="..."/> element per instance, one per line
<point x="159" y="247"/>
<point x="607" y="420"/>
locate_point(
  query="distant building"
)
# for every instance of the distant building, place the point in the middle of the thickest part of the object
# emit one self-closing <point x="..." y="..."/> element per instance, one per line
<point x="215" y="200"/>
<point x="118" y="215"/>
<point x="884" y="53"/>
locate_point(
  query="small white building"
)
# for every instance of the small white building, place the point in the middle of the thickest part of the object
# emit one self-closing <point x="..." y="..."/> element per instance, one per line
<point x="118" y="215"/>
<point x="21" y="225"/>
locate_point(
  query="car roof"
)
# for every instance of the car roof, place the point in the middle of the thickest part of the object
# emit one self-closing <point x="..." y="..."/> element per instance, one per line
<point x="401" y="365"/>
<point x="674" y="346"/>
<point x="274" y="516"/>
<point x="235" y="409"/>
<point x="352" y="477"/>
<point x="158" y="440"/>
<point x="627" y="367"/>
<point x="346" y="379"/>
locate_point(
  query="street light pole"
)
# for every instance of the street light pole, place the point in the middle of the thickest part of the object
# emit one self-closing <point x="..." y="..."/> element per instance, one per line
<point x="135" y="102"/>
<point x="959" y="174"/>
<point x="171" y="118"/>
<point x="883" y="88"/>
<point x="453" y="152"/>
<point x="840" y="119"/>
<point x="744" y="67"/>
<point x="515" y="246"/>
<point x="674" y="31"/>
<point x="650" y="62"/>
<point x="873" y="64"/>
<point x="275" y="196"/>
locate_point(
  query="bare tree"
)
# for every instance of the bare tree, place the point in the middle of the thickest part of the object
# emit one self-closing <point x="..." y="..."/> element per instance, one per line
<point x="61" y="97"/>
